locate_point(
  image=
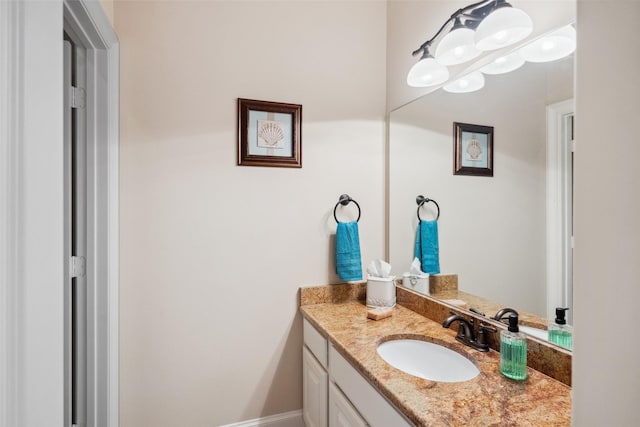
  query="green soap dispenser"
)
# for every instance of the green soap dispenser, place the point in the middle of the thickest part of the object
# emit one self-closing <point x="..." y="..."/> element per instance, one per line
<point x="559" y="332"/>
<point x="513" y="351"/>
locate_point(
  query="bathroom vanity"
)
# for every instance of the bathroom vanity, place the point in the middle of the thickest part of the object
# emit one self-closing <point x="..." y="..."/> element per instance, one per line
<point x="346" y="382"/>
<point x="335" y="393"/>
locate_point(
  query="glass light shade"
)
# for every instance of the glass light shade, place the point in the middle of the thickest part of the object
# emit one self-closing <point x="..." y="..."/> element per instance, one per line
<point x="469" y="83"/>
<point x="504" y="64"/>
<point x="553" y="46"/>
<point x="503" y="27"/>
<point x="456" y="47"/>
<point x="427" y="72"/>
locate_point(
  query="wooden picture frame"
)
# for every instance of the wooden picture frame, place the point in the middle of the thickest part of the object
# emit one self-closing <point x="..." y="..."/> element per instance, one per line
<point x="269" y="134"/>
<point x="472" y="149"/>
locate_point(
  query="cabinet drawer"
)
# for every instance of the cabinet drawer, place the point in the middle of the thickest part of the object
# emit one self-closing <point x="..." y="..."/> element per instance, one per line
<point x="315" y="342"/>
<point x="373" y="407"/>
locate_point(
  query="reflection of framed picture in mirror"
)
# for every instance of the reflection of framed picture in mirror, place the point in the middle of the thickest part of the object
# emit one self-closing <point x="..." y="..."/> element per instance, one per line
<point x="269" y="134"/>
<point x="472" y="149"/>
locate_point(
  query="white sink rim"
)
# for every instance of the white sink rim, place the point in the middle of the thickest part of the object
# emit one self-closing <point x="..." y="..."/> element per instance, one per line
<point x="427" y="360"/>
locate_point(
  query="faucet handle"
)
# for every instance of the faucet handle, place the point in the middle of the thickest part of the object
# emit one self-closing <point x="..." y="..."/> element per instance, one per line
<point x="483" y="329"/>
<point x="476" y="311"/>
<point x="487" y="328"/>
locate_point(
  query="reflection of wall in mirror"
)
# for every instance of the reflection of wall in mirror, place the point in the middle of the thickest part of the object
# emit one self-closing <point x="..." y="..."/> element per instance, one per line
<point x="492" y="230"/>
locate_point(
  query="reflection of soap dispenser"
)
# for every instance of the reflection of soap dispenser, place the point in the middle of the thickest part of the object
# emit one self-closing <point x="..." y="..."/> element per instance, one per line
<point x="559" y="332"/>
<point x="513" y="351"/>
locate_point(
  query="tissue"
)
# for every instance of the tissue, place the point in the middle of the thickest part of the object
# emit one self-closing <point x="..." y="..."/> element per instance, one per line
<point x="415" y="268"/>
<point x="381" y="289"/>
<point x="416" y="279"/>
<point x="379" y="268"/>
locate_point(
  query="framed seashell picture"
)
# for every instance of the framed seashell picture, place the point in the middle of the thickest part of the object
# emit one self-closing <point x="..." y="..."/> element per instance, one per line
<point x="269" y="134"/>
<point x="472" y="149"/>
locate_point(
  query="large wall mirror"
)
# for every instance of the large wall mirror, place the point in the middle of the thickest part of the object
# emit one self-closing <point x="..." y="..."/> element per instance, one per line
<point x="494" y="232"/>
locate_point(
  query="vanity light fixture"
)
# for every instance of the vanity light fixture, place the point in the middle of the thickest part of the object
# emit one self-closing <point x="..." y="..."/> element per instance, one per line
<point x="551" y="47"/>
<point x="427" y="71"/>
<point x="504" y="64"/>
<point x="481" y="26"/>
<point x="504" y="26"/>
<point x="469" y="83"/>
<point x="458" y="45"/>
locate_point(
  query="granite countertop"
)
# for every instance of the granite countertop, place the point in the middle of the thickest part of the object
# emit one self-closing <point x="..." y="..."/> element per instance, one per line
<point x="490" y="399"/>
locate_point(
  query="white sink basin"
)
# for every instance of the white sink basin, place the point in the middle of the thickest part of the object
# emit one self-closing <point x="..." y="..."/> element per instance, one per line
<point x="538" y="333"/>
<point x="427" y="360"/>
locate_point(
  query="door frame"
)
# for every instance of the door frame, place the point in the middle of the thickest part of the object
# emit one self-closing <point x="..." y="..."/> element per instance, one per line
<point x="88" y="23"/>
<point x="559" y="211"/>
<point x="32" y="264"/>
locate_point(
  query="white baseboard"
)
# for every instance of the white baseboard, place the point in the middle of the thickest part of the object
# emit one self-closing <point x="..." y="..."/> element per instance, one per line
<point x="287" y="419"/>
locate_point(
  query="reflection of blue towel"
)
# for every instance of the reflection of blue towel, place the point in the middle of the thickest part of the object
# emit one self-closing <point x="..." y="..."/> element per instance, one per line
<point x="427" y="250"/>
<point x="348" y="265"/>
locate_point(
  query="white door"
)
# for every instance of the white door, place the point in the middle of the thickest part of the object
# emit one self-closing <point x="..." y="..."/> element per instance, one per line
<point x="35" y="271"/>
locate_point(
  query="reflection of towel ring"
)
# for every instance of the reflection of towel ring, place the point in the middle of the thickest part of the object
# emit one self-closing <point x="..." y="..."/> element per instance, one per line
<point x="344" y="201"/>
<point x="421" y="200"/>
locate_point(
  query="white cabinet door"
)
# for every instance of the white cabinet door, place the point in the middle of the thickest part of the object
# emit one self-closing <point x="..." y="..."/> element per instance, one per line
<point x="314" y="391"/>
<point x="341" y="412"/>
<point x="367" y="400"/>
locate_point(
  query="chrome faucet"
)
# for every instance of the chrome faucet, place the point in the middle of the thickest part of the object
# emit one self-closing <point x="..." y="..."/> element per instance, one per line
<point x="466" y="333"/>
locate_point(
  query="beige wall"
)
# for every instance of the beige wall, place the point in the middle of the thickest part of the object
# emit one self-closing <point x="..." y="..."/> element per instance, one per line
<point x="606" y="375"/>
<point x="212" y="254"/>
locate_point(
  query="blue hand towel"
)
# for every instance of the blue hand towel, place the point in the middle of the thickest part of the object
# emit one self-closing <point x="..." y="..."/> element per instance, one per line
<point x="427" y="250"/>
<point x="348" y="264"/>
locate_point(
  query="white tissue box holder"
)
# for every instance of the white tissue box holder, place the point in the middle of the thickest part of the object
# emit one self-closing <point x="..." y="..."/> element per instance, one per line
<point x="416" y="282"/>
<point x="381" y="291"/>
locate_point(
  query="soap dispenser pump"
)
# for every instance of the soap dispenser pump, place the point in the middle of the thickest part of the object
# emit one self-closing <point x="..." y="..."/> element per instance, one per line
<point x="559" y="332"/>
<point x="513" y="351"/>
